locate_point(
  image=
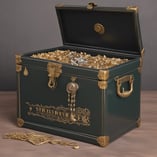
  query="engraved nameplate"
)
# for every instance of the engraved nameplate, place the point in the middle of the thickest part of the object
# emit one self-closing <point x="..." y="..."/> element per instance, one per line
<point x="59" y="114"/>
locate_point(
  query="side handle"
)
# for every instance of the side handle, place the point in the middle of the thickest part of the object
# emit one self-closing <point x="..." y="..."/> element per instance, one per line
<point x="120" y="80"/>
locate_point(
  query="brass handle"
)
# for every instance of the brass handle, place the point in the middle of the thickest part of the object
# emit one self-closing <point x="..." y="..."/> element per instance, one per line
<point x="120" y="81"/>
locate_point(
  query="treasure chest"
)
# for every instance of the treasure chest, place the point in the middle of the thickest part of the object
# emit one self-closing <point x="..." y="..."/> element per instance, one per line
<point x="88" y="89"/>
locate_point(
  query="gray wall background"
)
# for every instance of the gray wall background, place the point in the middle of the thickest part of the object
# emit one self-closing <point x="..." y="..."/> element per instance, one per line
<point x="27" y="25"/>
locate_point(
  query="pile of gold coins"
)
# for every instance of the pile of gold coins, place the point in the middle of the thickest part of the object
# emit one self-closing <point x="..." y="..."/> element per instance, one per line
<point x="82" y="59"/>
<point x="39" y="139"/>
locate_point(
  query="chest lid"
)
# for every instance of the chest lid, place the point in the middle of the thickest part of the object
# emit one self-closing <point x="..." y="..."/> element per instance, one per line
<point x="115" y="29"/>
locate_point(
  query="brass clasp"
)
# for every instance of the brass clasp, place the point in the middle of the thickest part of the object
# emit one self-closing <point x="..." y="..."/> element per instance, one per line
<point x="54" y="71"/>
<point x="120" y="81"/>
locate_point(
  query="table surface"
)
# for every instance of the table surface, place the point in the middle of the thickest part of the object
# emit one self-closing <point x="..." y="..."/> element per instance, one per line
<point x="140" y="142"/>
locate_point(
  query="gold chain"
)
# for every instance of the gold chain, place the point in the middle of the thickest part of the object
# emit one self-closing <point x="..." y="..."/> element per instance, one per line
<point x="81" y="59"/>
<point x="38" y="139"/>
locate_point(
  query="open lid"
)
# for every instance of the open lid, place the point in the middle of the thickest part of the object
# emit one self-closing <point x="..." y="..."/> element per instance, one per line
<point x="107" y="28"/>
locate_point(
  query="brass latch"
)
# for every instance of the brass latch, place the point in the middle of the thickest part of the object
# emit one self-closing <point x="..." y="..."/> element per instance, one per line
<point x="122" y="93"/>
<point x="54" y="71"/>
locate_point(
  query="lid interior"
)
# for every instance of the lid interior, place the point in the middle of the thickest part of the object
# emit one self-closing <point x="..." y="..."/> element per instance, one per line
<point x="121" y="28"/>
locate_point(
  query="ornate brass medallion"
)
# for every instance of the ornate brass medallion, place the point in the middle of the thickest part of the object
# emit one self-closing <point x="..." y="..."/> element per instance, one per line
<point x="99" y="28"/>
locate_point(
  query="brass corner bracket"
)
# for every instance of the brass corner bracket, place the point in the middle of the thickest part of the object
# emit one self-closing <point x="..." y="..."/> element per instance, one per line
<point x="18" y="63"/>
<point x="103" y="76"/>
<point x="103" y="141"/>
<point x="134" y="8"/>
<point x="102" y="84"/>
<point x="20" y="122"/>
<point x="138" y="122"/>
<point x="18" y="59"/>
